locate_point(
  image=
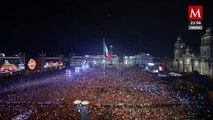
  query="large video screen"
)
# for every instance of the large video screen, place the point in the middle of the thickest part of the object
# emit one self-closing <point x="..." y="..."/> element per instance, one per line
<point x="53" y="64"/>
<point x="31" y="64"/>
<point x="10" y="67"/>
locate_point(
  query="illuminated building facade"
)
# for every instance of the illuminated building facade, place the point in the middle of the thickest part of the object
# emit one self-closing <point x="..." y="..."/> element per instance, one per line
<point x="186" y="61"/>
<point x="92" y="60"/>
<point x="141" y="60"/>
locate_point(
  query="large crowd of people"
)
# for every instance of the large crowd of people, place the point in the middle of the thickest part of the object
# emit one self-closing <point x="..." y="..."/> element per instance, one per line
<point x="135" y="94"/>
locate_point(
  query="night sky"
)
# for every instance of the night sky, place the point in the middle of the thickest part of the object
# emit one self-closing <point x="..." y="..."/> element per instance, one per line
<point x="64" y="26"/>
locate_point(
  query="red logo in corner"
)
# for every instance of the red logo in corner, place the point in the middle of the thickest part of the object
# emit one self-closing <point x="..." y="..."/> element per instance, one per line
<point x="195" y="12"/>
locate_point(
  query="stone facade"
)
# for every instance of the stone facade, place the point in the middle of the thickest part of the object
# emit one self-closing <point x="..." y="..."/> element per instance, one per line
<point x="186" y="61"/>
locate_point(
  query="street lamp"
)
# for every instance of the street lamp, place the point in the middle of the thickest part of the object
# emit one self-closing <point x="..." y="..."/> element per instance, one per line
<point x="82" y="106"/>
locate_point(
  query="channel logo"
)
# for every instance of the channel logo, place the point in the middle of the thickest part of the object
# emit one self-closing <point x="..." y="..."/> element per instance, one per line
<point x="195" y="17"/>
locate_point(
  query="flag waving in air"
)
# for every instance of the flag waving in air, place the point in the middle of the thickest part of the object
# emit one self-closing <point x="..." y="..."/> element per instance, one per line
<point x="106" y="52"/>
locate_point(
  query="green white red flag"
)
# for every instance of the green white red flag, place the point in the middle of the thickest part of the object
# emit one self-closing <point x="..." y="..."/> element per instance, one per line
<point x="106" y="52"/>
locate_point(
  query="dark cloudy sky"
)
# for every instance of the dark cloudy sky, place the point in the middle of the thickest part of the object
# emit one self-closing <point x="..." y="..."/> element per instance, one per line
<point x="64" y="26"/>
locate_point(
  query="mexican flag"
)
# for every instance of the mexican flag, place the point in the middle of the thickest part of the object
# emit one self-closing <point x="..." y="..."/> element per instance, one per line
<point x="106" y="52"/>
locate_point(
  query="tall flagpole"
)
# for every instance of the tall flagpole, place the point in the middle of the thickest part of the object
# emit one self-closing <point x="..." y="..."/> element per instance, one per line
<point x="104" y="61"/>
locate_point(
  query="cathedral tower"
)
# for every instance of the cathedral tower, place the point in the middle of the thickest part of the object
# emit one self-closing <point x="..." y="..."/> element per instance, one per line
<point x="179" y="48"/>
<point x="206" y="48"/>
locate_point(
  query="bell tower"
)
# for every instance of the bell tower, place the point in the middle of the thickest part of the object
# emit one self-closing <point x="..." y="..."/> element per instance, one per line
<point x="206" y="48"/>
<point x="179" y="48"/>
